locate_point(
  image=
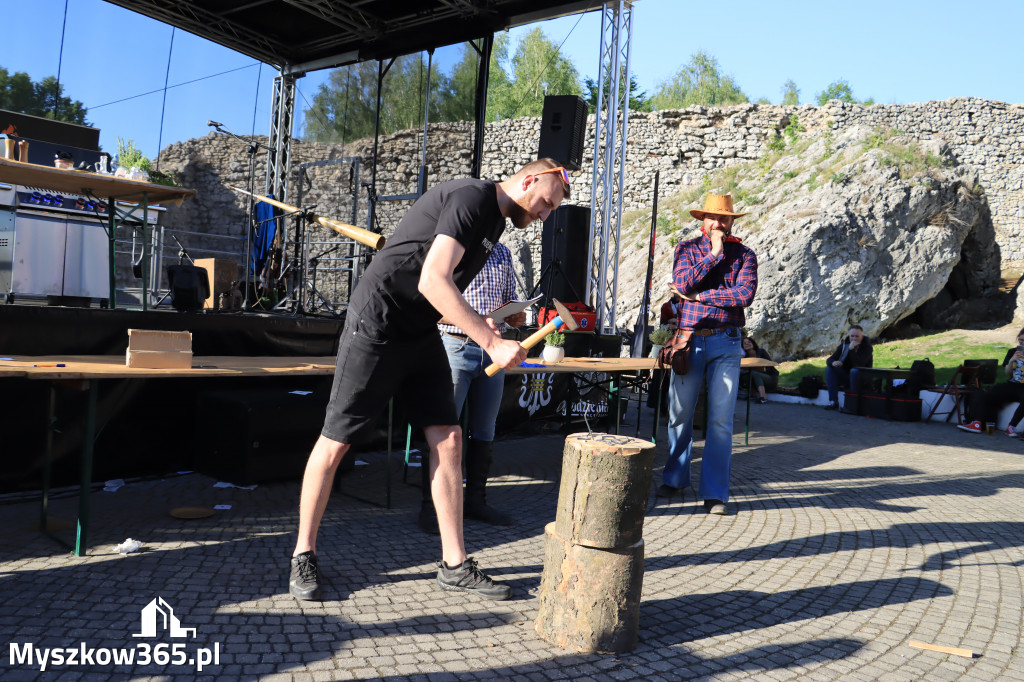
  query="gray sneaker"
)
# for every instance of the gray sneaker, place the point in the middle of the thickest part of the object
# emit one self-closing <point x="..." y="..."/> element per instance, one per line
<point x="467" y="577"/>
<point x="304" y="581"/>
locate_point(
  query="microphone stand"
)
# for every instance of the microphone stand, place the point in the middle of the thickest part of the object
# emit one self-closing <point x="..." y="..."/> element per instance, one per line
<point x="252" y="148"/>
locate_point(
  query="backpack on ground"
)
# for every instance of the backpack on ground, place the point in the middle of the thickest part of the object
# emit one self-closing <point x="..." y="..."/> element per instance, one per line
<point x="922" y="373"/>
<point x="810" y="385"/>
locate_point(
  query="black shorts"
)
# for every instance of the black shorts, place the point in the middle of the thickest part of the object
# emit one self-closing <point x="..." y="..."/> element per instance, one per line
<point x="371" y="370"/>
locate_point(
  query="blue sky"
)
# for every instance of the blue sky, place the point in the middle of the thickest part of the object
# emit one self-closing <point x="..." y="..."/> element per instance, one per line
<point x="890" y="50"/>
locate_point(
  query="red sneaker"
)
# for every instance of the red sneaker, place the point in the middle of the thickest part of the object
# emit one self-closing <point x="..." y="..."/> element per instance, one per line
<point x="974" y="427"/>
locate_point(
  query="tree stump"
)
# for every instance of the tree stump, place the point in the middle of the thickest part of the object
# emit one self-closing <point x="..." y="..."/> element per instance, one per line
<point x="594" y="551"/>
<point x="590" y="597"/>
<point x="606" y="482"/>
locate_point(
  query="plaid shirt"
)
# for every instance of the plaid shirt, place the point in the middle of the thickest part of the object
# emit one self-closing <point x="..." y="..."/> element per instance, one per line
<point x="724" y="285"/>
<point x="493" y="286"/>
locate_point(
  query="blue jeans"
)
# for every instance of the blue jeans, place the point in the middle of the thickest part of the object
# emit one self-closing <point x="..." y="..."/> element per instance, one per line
<point x="468" y="362"/>
<point x="719" y="357"/>
<point x="836" y="377"/>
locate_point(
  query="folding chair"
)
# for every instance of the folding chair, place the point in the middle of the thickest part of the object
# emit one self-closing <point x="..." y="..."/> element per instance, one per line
<point x="964" y="382"/>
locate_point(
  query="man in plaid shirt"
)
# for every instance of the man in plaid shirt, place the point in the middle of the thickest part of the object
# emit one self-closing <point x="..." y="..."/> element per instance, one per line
<point x="493" y="287"/>
<point x="717" y="278"/>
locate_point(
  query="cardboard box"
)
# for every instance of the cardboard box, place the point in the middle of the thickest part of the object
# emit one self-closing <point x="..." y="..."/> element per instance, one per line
<point x="221" y="272"/>
<point x="153" y="349"/>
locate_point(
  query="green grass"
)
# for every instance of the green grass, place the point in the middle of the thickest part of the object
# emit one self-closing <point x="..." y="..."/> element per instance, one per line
<point x="946" y="351"/>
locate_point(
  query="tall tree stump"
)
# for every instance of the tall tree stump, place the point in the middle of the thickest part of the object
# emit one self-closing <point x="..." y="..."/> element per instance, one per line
<point x="606" y="482"/>
<point x="590" y="597"/>
<point x="594" y="551"/>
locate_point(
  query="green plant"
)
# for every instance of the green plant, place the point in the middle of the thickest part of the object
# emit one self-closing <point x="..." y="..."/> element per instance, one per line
<point x="660" y="336"/>
<point x="789" y="175"/>
<point x="164" y="178"/>
<point x="837" y="178"/>
<point x="793" y="128"/>
<point x="129" y="156"/>
<point x="556" y="339"/>
<point x="776" y="143"/>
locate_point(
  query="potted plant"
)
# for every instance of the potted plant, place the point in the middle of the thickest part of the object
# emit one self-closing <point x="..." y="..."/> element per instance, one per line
<point x="131" y="162"/>
<point x="659" y="337"/>
<point x="554" y="352"/>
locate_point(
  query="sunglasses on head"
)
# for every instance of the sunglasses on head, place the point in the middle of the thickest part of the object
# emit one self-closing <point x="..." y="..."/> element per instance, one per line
<point x="557" y="169"/>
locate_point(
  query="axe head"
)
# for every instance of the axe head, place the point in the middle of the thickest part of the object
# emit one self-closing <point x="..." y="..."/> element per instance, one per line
<point x="567" y="319"/>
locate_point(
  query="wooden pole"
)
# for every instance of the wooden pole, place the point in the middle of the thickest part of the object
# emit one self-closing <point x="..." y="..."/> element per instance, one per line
<point x="594" y="551"/>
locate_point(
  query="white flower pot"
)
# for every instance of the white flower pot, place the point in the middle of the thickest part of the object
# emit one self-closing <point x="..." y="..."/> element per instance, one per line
<point x="655" y="349"/>
<point x="553" y="354"/>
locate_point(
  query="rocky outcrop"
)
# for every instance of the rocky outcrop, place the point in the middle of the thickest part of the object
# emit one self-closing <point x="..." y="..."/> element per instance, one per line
<point x="848" y="229"/>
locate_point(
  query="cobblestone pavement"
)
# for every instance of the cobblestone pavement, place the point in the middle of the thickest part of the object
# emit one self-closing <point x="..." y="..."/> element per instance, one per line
<point x="848" y="538"/>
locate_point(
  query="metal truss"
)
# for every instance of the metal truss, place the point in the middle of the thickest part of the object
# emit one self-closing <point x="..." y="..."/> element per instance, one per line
<point x="279" y="157"/>
<point x="609" y="162"/>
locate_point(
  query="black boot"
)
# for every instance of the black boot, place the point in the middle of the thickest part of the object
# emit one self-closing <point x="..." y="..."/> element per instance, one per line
<point x="427" y="520"/>
<point x="478" y="465"/>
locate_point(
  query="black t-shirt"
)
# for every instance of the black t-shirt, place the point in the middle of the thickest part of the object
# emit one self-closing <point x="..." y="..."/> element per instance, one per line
<point x="387" y="301"/>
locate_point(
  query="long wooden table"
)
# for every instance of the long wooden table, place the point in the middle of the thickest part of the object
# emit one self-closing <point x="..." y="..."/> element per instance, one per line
<point x="89" y="369"/>
<point x="98" y="185"/>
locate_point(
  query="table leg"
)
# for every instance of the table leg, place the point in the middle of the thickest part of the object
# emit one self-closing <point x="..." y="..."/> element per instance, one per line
<point x="112" y="234"/>
<point x="613" y="395"/>
<point x="145" y="252"/>
<point x="746" y="431"/>
<point x="657" y="408"/>
<point x="387" y="461"/>
<point x="48" y="458"/>
<point x="85" y="488"/>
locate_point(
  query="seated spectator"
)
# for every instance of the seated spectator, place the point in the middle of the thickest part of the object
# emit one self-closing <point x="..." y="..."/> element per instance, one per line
<point x="841" y="367"/>
<point x="985" y="405"/>
<point x="765" y="378"/>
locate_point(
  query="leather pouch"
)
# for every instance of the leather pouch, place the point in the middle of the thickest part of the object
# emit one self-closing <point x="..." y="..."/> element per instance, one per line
<point x="676" y="353"/>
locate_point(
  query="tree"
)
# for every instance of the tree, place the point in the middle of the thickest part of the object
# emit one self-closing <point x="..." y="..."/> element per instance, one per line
<point x="458" y="102"/>
<point x="698" y="82"/>
<point x="841" y="91"/>
<point x="790" y="93"/>
<point x="19" y="93"/>
<point x="343" y="109"/>
<point x="638" y="100"/>
<point x="537" y="68"/>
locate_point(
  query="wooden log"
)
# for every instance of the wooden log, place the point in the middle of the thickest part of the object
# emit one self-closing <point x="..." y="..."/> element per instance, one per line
<point x="606" y="482"/>
<point x="589" y="597"/>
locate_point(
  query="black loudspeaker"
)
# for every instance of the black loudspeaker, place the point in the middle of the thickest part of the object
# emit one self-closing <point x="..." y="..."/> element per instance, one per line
<point x="189" y="285"/>
<point x="563" y="130"/>
<point x="563" y="254"/>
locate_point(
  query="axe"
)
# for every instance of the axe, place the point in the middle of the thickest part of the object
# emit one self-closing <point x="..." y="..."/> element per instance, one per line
<point x="564" y="320"/>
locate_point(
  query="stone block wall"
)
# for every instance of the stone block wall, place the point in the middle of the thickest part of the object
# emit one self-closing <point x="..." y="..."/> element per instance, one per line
<point x="986" y="136"/>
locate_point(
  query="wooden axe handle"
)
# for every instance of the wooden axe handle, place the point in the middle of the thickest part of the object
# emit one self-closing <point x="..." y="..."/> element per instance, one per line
<point x="530" y="341"/>
<point x="371" y="239"/>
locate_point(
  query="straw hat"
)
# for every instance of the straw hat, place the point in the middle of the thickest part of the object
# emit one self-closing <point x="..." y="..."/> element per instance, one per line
<point x="717" y="204"/>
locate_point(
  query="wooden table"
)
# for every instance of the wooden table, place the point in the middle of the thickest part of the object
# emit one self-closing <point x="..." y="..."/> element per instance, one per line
<point x="97" y="185"/>
<point x="88" y="369"/>
<point x="618" y="365"/>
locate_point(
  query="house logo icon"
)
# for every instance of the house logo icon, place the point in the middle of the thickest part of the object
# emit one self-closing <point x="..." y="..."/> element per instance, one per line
<point x="159" y="611"/>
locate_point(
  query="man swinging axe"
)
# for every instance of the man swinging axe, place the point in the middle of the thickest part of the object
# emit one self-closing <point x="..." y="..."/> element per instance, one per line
<point x="390" y="345"/>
